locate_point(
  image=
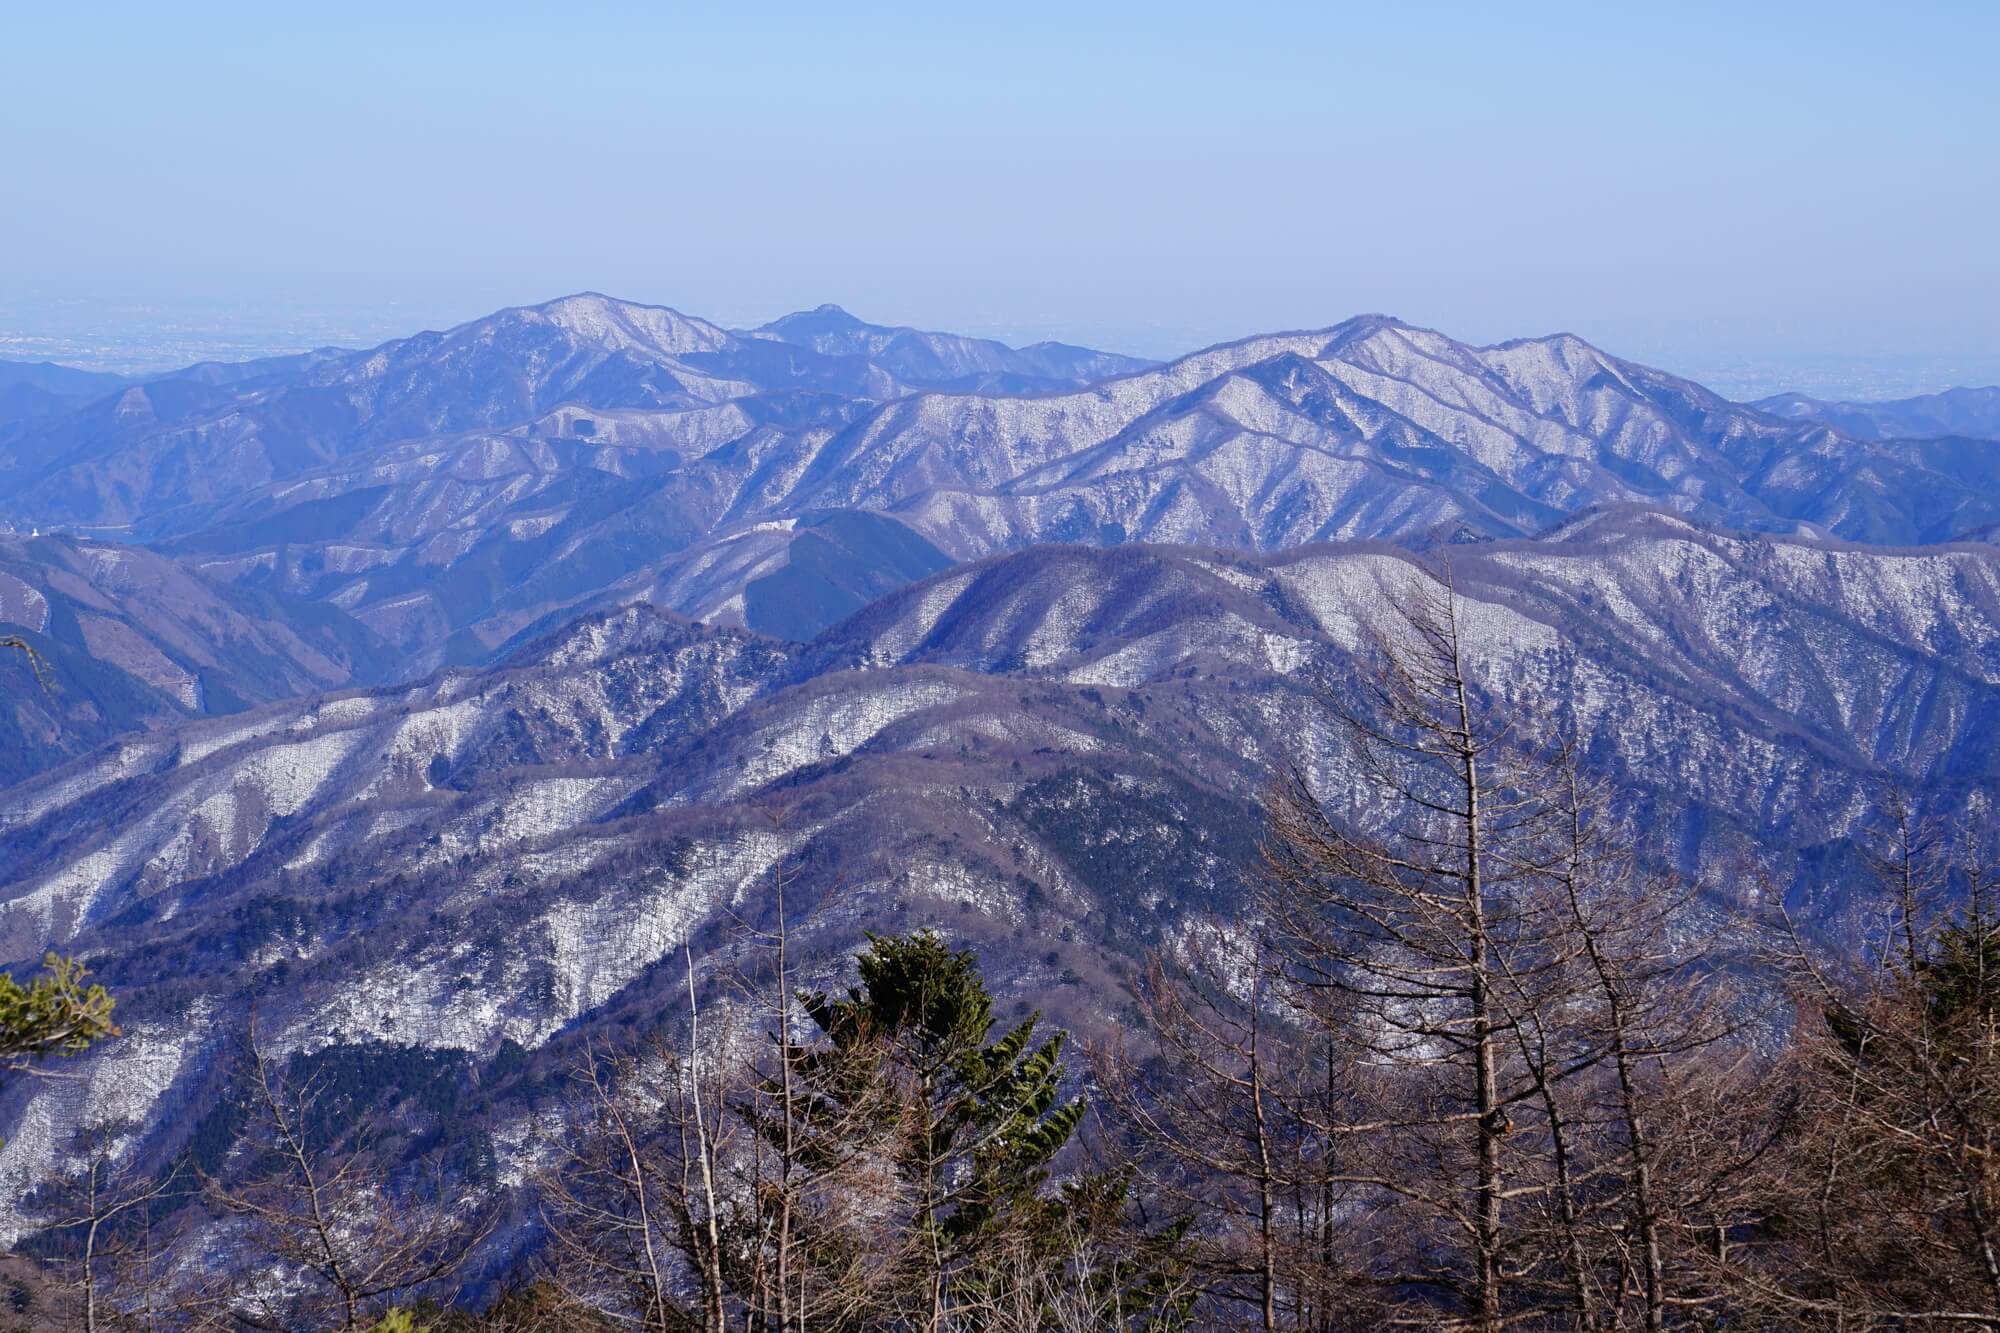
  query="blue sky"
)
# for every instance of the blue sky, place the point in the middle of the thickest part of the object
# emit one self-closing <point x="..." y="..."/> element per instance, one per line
<point x="1812" y="184"/>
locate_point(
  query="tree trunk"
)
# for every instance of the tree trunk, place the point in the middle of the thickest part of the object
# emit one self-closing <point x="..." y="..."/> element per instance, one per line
<point x="1266" y="1242"/>
<point x="1490" y="1120"/>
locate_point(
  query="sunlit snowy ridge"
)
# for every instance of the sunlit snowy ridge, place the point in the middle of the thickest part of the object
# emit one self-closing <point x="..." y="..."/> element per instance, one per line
<point x="512" y="854"/>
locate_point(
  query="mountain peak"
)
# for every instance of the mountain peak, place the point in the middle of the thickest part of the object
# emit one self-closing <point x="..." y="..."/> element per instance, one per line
<point x="621" y="325"/>
<point x="820" y="321"/>
<point x="603" y="635"/>
<point x="1360" y="328"/>
<point x="1373" y="320"/>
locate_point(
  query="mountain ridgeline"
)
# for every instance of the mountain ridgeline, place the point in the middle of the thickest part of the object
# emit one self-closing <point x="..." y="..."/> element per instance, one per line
<point x="130" y="639"/>
<point x="453" y="490"/>
<point x="1968" y="413"/>
<point x="435" y="710"/>
<point x="1063" y="742"/>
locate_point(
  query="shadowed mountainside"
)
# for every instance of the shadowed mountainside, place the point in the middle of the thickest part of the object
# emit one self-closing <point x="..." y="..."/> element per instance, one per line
<point x="132" y="640"/>
<point x="1055" y="754"/>
<point x="454" y="491"/>
<point x="1967" y="413"/>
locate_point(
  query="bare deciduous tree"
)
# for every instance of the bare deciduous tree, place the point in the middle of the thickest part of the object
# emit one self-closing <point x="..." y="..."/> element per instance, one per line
<point x="341" y="1235"/>
<point x="1225" y="1103"/>
<point x="1509" y="1001"/>
<point x="1883" y="1209"/>
<point x="1411" y="937"/>
<point x="96" y="1221"/>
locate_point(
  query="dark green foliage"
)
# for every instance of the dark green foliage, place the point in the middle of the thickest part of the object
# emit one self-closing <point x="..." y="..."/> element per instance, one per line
<point x="977" y="1124"/>
<point x="1956" y="981"/>
<point x="1961" y="975"/>
<point x="58" y="1013"/>
<point x="988" y="1119"/>
<point x="397" y="1321"/>
<point x="1135" y="1271"/>
<point x="1147" y="851"/>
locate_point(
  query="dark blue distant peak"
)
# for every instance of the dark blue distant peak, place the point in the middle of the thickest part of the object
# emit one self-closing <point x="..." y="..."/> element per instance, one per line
<point x="827" y="318"/>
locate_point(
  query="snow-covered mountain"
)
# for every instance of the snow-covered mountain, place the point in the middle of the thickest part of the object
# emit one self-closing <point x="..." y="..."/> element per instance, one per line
<point x="1051" y="753"/>
<point x="211" y="433"/>
<point x="455" y="490"/>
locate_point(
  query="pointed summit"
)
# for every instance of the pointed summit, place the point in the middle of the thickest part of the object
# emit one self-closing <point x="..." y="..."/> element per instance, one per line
<point x="822" y="321"/>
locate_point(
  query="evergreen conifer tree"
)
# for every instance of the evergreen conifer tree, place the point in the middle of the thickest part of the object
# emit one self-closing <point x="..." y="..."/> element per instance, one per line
<point x="60" y="1012"/>
<point x="975" y="1124"/>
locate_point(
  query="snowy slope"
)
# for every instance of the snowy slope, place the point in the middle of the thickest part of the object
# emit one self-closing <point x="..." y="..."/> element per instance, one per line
<point x="455" y="491"/>
<point x="506" y="855"/>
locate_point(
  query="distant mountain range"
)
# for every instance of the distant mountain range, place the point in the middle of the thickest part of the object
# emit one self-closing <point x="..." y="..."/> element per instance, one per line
<point x="538" y="642"/>
<point x="1053" y="752"/>
<point x="42" y="388"/>
<point x="1973" y="413"/>
<point x="946" y="360"/>
<point x="455" y="491"/>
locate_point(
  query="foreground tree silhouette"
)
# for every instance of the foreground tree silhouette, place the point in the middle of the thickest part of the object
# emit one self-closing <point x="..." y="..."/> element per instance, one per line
<point x="1225" y="1100"/>
<point x="98" y="1212"/>
<point x="1406" y="944"/>
<point x="907" y="1151"/>
<point x="978" y="1122"/>
<point x="1511" y="1010"/>
<point x="338" y="1236"/>
<point x="1884" y="1209"/>
<point x="60" y="1012"/>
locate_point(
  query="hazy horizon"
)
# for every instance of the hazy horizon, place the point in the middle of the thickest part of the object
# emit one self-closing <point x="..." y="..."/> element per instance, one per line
<point x="142" y="340"/>
<point x="1798" y="197"/>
